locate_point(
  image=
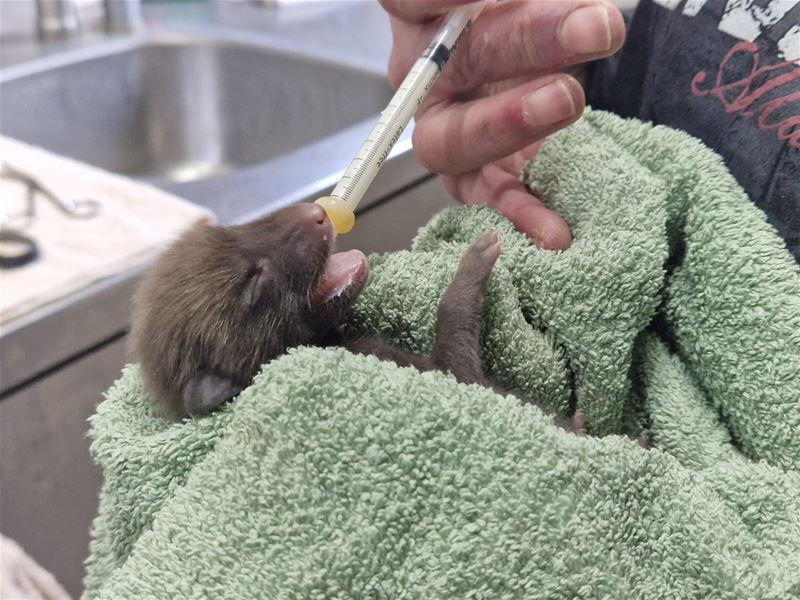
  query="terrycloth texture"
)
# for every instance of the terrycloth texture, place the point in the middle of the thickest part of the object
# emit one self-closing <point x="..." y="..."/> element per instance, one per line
<point x="676" y="309"/>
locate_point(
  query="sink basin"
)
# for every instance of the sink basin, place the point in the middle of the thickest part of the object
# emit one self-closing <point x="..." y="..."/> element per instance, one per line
<point x="187" y="109"/>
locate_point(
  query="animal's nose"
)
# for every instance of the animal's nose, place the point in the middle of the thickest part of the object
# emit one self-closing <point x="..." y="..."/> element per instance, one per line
<point x="313" y="214"/>
<point x="320" y="215"/>
<point x="313" y="220"/>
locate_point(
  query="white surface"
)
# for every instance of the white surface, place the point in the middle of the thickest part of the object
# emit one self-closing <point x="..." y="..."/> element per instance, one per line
<point x="21" y="577"/>
<point x="135" y="222"/>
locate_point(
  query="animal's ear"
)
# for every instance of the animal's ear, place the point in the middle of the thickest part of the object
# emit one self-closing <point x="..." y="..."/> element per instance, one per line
<point x="257" y="280"/>
<point x="206" y="391"/>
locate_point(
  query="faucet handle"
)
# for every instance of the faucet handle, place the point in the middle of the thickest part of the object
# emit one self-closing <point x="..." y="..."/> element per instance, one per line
<point x="56" y="18"/>
<point x="123" y="15"/>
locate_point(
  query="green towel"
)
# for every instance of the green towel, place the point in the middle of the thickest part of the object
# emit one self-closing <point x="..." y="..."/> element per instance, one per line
<point x="675" y="312"/>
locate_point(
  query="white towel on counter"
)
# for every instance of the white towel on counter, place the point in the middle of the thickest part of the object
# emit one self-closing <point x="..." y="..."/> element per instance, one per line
<point x="21" y="578"/>
<point x="135" y="222"/>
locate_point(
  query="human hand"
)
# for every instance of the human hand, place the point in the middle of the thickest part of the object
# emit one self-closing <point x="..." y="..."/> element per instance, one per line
<point x="511" y="82"/>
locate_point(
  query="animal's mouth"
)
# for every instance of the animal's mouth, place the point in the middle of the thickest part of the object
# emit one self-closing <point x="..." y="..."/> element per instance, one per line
<point x="344" y="274"/>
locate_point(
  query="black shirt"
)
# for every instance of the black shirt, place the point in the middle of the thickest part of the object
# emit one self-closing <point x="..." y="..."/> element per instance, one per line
<point x="727" y="72"/>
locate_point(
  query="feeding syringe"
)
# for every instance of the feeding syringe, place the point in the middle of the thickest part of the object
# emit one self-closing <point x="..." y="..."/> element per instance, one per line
<point x="341" y="204"/>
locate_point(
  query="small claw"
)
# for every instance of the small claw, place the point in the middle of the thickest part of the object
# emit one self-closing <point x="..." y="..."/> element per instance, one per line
<point x="487" y="247"/>
<point x="577" y="424"/>
<point x="490" y="235"/>
<point x="485" y="239"/>
<point x="492" y="253"/>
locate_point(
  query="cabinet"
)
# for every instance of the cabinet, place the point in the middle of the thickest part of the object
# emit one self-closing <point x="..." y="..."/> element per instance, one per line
<point x="50" y="485"/>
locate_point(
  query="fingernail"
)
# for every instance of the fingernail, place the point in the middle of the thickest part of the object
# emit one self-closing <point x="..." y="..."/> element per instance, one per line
<point x="539" y="238"/>
<point x="544" y="239"/>
<point x="587" y="30"/>
<point x="548" y="105"/>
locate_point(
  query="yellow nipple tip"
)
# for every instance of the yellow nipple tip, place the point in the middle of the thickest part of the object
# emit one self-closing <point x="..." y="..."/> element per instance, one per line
<point x="342" y="218"/>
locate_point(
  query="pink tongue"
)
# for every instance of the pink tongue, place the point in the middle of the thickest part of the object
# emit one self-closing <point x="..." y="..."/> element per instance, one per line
<point x="341" y="270"/>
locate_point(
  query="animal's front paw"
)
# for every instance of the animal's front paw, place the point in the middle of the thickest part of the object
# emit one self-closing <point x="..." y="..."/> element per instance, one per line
<point x="480" y="257"/>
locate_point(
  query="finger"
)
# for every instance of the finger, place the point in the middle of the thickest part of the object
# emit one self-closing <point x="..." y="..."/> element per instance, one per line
<point x="514" y="39"/>
<point x="502" y="191"/>
<point x="545" y="228"/>
<point x="457" y="138"/>
<point x="418" y="11"/>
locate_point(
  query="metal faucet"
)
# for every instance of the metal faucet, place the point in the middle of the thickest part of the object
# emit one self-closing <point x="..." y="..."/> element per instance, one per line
<point x="59" y="18"/>
<point x="123" y="15"/>
<point x="56" y="18"/>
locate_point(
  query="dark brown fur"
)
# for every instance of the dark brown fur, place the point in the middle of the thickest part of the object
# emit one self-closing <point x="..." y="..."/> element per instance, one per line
<point x="222" y="301"/>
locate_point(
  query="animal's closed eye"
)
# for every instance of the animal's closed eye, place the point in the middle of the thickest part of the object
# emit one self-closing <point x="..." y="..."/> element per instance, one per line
<point x="257" y="279"/>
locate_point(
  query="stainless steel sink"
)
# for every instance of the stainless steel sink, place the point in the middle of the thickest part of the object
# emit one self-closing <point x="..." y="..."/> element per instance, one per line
<point x="184" y="109"/>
